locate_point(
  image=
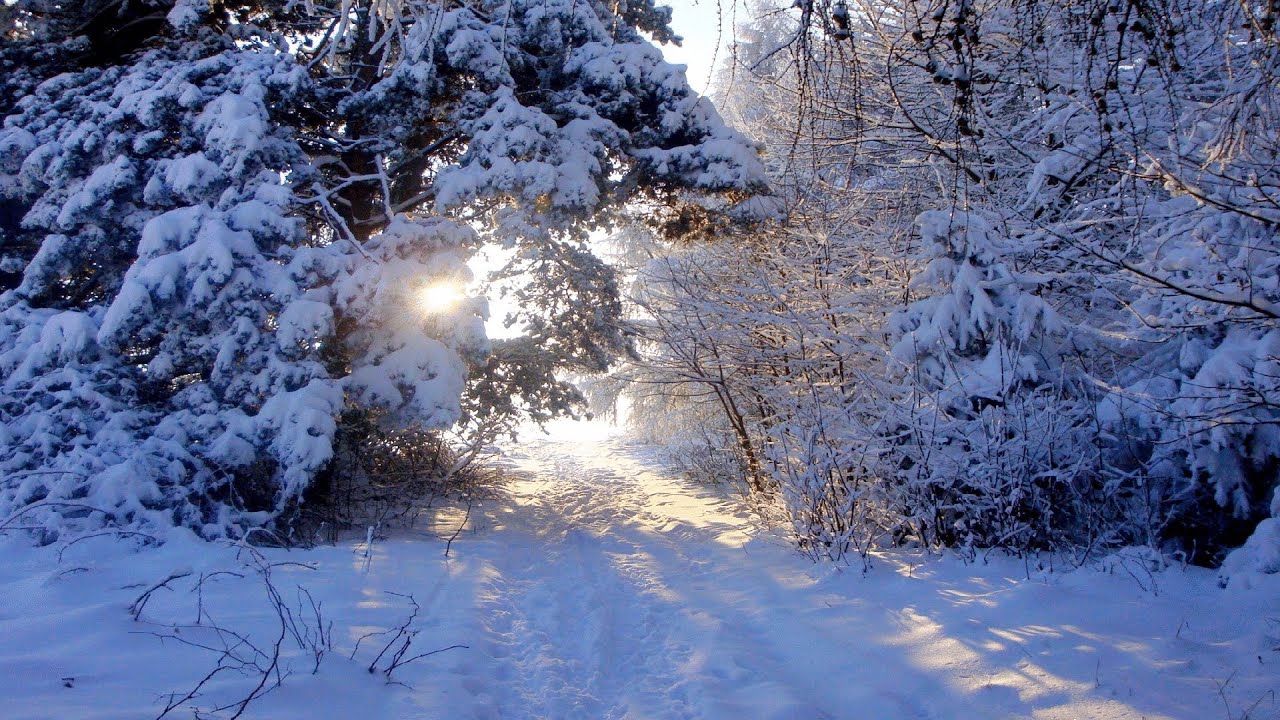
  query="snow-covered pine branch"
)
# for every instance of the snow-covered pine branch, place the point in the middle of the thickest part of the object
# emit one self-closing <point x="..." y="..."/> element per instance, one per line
<point x="213" y="236"/>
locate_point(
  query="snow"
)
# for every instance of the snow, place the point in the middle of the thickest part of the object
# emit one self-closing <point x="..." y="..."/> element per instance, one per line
<point x="66" y="338"/>
<point x="427" y="367"/>
<point x="229" y="288"/>
<point x="303" y="322"/>
<point x="186" y="13"/>
<point x="234" y="125"/>
<point x="190" y="177"/>
<point x="96" y="190"/>
<point x="600" y="586"/>
<point x="300" y="425"/>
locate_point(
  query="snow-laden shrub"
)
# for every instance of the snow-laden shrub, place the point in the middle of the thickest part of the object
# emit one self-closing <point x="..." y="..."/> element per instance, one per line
<point x="1052" y="320"/>
<point x="1260" y="555"/>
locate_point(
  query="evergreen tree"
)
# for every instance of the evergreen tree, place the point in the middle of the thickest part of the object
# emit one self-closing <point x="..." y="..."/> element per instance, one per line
<point x="218" y="218"/>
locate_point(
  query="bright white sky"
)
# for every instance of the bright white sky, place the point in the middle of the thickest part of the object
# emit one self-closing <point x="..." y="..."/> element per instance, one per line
<point x="700" y="22"/>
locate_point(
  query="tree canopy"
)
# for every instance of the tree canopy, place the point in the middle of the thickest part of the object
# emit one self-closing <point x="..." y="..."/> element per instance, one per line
<point x="215" y="216"/>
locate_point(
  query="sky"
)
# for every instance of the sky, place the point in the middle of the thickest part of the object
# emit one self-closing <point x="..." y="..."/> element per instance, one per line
<point x="700" y="23"/>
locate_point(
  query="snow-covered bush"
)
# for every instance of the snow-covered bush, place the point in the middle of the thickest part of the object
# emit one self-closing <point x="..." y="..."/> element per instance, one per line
<point x="1070" y="211"/>
<point x="1260" y="555"/>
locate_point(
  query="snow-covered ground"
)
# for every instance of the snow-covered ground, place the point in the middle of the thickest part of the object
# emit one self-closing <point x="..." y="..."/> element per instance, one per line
<point x="601" y="587"/>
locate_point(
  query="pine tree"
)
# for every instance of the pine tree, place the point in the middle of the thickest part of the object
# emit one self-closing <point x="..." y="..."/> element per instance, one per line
<point x="217" y="225"/>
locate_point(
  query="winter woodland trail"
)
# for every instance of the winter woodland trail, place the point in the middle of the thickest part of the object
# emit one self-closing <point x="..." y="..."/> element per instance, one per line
<point x="617" y="598"/>
<point x="600" y="586"/>
<point x="605" y="588"/>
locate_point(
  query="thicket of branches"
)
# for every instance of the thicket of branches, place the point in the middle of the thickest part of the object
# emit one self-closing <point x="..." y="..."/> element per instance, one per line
<point x="1027" y="293"/>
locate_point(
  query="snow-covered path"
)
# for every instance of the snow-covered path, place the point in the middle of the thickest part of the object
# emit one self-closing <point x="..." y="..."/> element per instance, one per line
<point x="609" y="589"/>
<point x="599" y="586"/>
<point x="611" y="602"/>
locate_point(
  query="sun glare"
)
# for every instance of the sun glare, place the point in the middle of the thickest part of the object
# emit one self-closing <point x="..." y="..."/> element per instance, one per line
<point x="438" y="298"/>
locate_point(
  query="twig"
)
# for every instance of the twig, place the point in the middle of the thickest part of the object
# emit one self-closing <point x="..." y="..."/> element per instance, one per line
<point x="419" y="656"/>
<point x="119" y="533"/>
<point x="199" y="590"/>
<point x="136" y="608"/>
<point x="236" y="651"/>
<point x="48" y="503"/>
<point x="402" y="631"/>
<point x="1249" y="713"/>
<point x="1222" y="693"/>
<point x="465" y="517"/>
<point x="400" y="643"/>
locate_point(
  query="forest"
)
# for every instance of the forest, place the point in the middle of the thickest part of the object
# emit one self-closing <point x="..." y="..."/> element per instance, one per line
<point x="1024" y="292"/>
<point x="973" y="275"/>
<point x="941" y="340"/>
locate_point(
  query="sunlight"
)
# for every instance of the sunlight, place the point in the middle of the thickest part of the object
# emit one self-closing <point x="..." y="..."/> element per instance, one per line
<point x="438" y="298"/>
